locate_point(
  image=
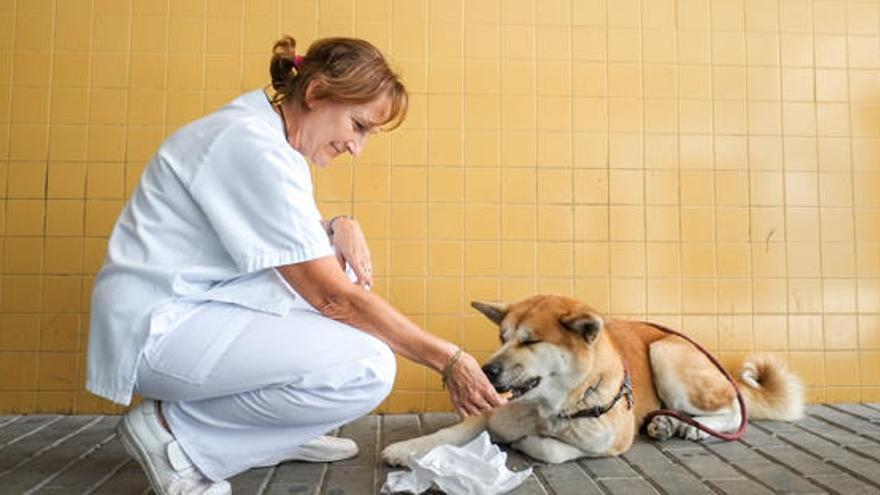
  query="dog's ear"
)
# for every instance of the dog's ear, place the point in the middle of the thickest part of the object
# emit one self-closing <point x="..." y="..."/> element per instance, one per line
<point x="494" y="311"/>
<point x="587" y="325"/>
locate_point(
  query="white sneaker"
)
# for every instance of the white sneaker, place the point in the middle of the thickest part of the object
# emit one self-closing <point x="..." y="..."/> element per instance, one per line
<point x="168" y="468"/>
<point x="326" y="449"/>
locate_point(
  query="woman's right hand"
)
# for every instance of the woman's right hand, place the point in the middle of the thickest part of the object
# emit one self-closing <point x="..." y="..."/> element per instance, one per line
<point x="470" y="390"/>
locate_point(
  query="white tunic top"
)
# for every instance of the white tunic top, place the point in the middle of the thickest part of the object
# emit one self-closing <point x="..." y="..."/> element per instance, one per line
<point x="223" y="201"/>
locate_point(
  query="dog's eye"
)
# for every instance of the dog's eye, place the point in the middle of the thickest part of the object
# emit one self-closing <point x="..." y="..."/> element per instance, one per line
<point x="529" y="342"/>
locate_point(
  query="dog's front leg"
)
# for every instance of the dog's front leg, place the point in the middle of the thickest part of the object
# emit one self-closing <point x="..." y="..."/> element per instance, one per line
<point x="548" y="449"/>
<point x="461" y="433"/>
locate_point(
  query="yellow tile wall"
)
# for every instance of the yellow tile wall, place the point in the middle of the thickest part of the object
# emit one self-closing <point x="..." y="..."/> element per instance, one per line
<point x="709" y="164"/>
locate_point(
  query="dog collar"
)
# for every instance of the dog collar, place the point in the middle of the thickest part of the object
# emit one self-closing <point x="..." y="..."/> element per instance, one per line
<point x="625" y="392"/>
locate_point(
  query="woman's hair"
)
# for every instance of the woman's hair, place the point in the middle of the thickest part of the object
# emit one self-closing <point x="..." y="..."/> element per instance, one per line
<point x="343" y="70"/>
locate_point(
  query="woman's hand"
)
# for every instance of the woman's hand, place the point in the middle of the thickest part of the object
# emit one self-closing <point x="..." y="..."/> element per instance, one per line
<point x="351" y="247"/>
<point x="470" y="390"/>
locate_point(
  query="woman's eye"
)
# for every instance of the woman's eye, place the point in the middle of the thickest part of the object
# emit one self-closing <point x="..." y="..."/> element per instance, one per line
<point x="359" y="127"/>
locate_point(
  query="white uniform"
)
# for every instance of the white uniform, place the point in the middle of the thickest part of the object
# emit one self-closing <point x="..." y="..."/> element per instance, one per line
<point x="188" y="304"/>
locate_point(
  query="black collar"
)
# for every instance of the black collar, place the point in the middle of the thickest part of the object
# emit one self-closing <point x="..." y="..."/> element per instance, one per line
<point x="625" y="391"/>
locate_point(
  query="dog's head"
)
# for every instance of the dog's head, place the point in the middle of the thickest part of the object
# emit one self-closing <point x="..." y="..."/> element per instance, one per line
<point x="547" y="345"/>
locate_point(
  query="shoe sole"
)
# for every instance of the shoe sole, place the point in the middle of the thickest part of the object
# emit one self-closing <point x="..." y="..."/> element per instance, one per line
<point x="134" y="449"/>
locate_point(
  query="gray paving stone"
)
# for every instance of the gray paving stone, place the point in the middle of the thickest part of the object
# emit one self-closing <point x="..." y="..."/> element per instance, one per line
<point x="828" y="452"/>
<point x="567" y="479"/>
<point x="608" y="467"/>
<point x="861" y="410"/>
<point x="670" y="477"/>
<point x="847" y="429"/>
<point x="46" y="455"/>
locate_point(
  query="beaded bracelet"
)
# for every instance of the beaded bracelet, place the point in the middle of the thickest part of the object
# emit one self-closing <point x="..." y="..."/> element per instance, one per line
<point x="447" y="370"/>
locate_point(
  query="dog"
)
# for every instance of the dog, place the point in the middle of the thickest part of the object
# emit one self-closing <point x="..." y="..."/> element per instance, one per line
<point x="582" y="385"/>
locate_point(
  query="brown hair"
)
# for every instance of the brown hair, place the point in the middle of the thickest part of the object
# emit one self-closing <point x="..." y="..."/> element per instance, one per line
<point x="344" y="70"/>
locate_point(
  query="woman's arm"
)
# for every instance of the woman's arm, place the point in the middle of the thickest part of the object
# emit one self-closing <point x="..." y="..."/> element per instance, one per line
<point x="325" y="287"/>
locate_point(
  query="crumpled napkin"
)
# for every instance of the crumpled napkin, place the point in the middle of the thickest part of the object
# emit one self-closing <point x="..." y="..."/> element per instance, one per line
<point x="476" y="468"/>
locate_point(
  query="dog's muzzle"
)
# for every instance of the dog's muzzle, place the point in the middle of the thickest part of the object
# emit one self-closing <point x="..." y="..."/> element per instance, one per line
<point x="494" y="372"/>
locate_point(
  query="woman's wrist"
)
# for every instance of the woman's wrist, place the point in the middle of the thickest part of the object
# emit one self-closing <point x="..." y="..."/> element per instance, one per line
<point x="330" y="227"/>
<point x="450" y="366"/>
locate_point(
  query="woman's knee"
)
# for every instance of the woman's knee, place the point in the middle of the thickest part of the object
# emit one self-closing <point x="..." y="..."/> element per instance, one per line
<point x="383" y="366"/>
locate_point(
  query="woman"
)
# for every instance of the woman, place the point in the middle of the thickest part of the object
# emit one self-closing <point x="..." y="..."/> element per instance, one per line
<point x="222" y="300"/>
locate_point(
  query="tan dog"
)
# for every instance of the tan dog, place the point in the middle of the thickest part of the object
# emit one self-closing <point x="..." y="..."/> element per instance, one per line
<point x="569" y="369"/>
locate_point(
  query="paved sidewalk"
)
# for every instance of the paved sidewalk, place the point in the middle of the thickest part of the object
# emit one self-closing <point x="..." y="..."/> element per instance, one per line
<point x="835" y="449"/>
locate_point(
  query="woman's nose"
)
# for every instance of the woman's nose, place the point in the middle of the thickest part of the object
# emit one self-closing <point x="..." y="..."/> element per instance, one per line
<point x="355" y="146"/>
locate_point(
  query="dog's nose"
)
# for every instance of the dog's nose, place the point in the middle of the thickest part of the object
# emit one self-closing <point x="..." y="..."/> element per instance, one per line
<point x="492" y="370"/>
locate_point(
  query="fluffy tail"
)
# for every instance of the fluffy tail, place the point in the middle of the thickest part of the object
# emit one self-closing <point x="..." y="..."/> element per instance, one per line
<point x="771" y="390"/>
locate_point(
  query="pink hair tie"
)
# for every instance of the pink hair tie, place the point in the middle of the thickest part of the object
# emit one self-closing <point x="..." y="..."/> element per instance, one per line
<point x="297" y="61"/>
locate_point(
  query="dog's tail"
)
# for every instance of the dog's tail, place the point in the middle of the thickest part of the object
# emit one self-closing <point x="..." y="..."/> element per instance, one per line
<point x="771" y="390"/>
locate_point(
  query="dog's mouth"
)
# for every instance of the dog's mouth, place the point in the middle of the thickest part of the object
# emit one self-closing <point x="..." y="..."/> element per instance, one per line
<point x="522" y="388"/>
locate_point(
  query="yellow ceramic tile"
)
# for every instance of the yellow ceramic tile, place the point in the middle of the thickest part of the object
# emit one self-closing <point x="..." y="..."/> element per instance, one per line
<point x="660" y="81"/>
<point x="105" y="143"/>
<point x="62" y="294"/>
<point x="625" y="150"/>
<point x="661" y="115"/>
<point x="771" y="332"/>
<point x="696" y="151"/>
<point x="26" y="179"/>
<point x="658" y="46"/>
<point x="444" y="295"/>
<point x="518" y="258"/>
<point x="802" y="224"/>
<point x="624" y="80"/>
<point x="445" y="221"/>
<point x="100" y="216"/>
<point x="733" y="260"/>
<point x="23" y="255"/>
<point x="21" y="294"/>
<point x="804" y="295"/>
<point x="408" y="184"/>
<point x="63" y="255"/>
<point x="628" y="259"/>
<point x="735" y="296"/>
<point x="870" y="367"/>
<point x="763" y="83"/>
<point x="518" y="185"/>
<point x="555" y="223"/>
<point x="868" y="258"/>
<point x="838" y="260"/>
<point x="698" y="260"/>
<point x="407" y="294"/>
<point x="868" y="294"/>
<point x="828" y="17"/>
<point x="626" y="187"/>
<point x="664" y="296"/>
<point x="624" y="45"/>
<point x="24" y="217"/>
<point x="481" y="185"/>
<point x="662" y="224"/>
<point x="555" y="259"/>
<point x="762" y="48"/>
<point x="841" y="368"/>
<point x="768" y="259"/>
<point x="839" y="296"/>
<point x="408" y="220"/>
<point x="797" y="49"/>
<point x="803" y="259"/>
<point x="764" y="117"/>
<point x="699" y="296"/>
<point x="94" y="251"/>
<point x="832" y="119"/>
<point x="735" y="333"/>
<point x="628" y="295"/>
<point x="519" y="222"/>
<point x="867" y="229"/>
<point x="801" y="189"/>
<point x="663" y="259"/>
<point x="445" y="258"/>
<point x="627" y="223"/>
<point x="481" y="259"/>
<point x="554" y="186"/>
<point x="841" y="331"/>
<point x="591" y="259"/>
<point x="765" y="153"/>
<point x="797" y="84"/>
<point x="866" y="187"/>
<point x="481" y="222"/>
<point x="697" y="224"/>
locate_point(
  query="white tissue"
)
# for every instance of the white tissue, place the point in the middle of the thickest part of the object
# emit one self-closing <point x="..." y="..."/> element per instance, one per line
<point x="476" y="468"/>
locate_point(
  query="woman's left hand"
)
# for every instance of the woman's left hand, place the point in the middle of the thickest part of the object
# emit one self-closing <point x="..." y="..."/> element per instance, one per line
<point x="351" y="247"/>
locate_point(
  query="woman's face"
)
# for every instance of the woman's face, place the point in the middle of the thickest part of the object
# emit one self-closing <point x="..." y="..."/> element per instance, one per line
<point x="329" y="129"/>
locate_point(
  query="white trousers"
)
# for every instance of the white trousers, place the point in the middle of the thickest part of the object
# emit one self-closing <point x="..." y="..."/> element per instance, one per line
<point x="242" y="389"/>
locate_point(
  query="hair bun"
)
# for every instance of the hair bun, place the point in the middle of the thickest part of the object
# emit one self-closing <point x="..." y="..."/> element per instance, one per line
<point x="284" y="61"/>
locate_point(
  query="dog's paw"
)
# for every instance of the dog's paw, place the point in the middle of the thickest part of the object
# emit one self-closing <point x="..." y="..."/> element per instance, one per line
<point x="661" y="428"/>
<point x="398" y="453"/>
<point x="693" y="433"/>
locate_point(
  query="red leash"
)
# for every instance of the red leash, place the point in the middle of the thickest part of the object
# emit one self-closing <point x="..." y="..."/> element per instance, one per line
<point x="687" y="419"/>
